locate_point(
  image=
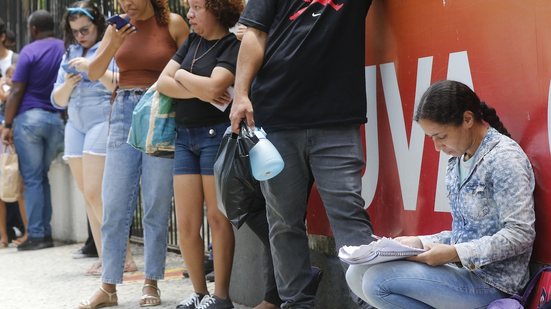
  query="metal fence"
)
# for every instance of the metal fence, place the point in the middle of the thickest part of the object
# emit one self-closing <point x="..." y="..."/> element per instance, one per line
<point x="136" y="233"/>
<point x="15" y="14"/>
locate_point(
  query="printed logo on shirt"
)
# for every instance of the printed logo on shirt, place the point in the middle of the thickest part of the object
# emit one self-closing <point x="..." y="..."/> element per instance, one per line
<point x="330" y="3"/>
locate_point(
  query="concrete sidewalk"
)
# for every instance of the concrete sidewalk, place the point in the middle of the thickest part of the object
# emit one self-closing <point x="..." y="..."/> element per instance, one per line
<point x="51" y="278"/>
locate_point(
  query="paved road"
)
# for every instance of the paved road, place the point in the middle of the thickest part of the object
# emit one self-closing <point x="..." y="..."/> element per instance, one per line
<point x="51" y="278"/>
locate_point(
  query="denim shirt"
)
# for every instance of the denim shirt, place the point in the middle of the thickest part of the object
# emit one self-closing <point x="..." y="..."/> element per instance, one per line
<point x="492" y="213"/>
<point x="86" y="87"/>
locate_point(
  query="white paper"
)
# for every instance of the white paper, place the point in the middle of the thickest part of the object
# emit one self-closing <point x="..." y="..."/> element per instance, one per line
<point x="382" y="250"/>
<point x="222" y="107"/>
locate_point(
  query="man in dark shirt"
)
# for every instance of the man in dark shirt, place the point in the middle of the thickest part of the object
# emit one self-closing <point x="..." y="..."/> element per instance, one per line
<point x="37" y="126"/>
<point x="306" y="58"/>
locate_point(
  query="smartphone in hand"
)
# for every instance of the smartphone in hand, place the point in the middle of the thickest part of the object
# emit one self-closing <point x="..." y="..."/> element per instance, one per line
<point x="69" y="69"/>
<point x="118" y="21"/>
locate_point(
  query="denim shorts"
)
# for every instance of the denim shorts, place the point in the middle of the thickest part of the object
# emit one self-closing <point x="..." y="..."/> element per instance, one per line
<point x="93" y="141"/>
<point x="86" y="130"/>
<point x="196" y="149"/>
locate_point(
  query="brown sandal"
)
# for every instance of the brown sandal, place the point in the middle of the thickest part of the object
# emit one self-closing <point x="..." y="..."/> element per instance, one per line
<point x="156" y="299"/>
<point x="112" y="301"/>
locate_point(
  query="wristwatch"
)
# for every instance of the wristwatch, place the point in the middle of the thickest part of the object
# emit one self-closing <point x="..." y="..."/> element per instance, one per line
<point x="6" y="125"/>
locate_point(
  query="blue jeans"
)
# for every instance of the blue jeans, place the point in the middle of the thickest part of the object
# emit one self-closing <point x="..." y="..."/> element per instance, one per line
<point x="412" y="285"/>
<point x="38" y="138"/>
<point x="124" y="166"/>
<point x="333" y="158"/>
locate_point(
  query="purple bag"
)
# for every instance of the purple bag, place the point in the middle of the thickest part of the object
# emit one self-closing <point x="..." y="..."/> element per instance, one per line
<point x="505" y="303"/>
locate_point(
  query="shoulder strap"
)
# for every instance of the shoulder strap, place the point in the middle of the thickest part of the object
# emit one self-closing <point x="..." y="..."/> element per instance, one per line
<point x="532" y="283"/>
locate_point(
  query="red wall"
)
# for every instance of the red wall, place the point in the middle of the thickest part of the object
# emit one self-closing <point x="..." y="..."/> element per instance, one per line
<point x="502" y="49"/>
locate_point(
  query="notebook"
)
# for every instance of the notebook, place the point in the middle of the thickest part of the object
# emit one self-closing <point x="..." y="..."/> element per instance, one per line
<point x="383" y="250"/>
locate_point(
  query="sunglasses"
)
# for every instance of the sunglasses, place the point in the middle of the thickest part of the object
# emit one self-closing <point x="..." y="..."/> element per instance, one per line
<point x="84" y="31"/>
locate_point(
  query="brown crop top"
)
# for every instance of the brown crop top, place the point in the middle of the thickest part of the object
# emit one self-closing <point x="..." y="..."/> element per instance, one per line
<point x="144" y="54"/>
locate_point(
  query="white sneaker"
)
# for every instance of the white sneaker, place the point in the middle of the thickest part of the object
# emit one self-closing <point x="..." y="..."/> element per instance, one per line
<point x="213" y="302"/>
<point x="192" y="302"/>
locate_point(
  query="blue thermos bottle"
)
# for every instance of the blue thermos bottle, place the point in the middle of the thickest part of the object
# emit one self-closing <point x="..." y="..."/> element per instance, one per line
<point x="266" y="162"/>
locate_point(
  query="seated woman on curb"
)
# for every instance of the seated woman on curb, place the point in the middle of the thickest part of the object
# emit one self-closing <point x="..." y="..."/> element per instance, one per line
<point x="490" y="184"/>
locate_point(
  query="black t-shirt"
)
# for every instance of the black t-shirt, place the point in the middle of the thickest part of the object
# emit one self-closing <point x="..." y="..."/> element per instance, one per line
<point x="313" y="71"/>
<point x="195" y="112"/>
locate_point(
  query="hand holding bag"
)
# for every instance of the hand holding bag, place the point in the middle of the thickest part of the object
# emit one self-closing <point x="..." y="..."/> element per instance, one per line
<point x="153" y="128"/>
<point x="237" y="191"/>
<point x="10" y="179"/>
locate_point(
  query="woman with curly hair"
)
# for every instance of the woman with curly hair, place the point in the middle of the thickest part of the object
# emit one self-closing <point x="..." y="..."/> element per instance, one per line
<point x="140" y="49"/>
<point x="199" y="78"/>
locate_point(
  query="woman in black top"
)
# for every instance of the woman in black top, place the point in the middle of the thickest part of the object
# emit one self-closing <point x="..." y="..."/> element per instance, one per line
<point x="199" y="78"/>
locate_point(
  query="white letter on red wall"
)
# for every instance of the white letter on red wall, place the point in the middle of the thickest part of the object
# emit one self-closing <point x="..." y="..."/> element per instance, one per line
<point x="369" y="178"/>
<point x="408" y="155"/>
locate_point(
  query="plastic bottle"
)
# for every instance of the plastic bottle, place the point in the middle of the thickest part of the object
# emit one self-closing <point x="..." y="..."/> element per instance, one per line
<point x="266" y="162"/>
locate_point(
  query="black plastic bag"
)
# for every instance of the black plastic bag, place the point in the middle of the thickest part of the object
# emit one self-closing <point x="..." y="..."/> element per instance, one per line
<point x="237" y="192"/>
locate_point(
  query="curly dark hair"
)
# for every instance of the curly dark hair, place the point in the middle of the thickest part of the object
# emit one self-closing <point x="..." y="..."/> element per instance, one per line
<point x="162" y="11"/>
<point x="446" y="101"/>
<point x="226" y="11"/>
<point x="98" y="21"/>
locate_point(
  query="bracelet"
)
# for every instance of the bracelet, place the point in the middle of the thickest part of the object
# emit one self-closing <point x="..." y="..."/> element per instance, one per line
<point x="6" y="125"/>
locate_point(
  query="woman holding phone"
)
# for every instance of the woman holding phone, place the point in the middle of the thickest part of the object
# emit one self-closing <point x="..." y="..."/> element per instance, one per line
<point x="88" y="109"/>
<point x="140" y="56"/>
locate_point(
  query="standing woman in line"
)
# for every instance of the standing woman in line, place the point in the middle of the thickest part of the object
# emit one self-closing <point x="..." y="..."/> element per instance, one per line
<point x="141" y="50"/>
<point x="88" y="108"/>
<point x="198" y="77"/>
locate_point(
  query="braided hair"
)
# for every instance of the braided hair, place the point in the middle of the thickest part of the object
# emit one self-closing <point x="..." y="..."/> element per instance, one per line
<point x="446" y="101"/>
